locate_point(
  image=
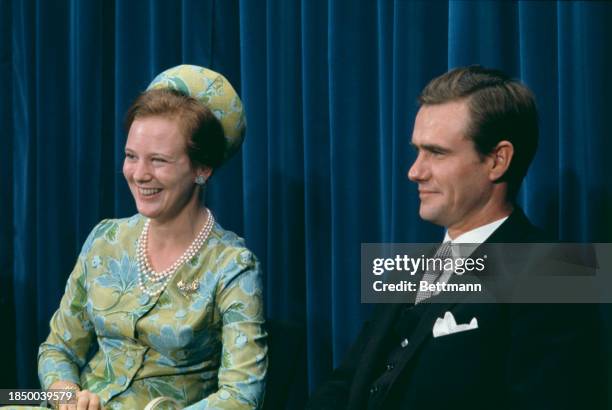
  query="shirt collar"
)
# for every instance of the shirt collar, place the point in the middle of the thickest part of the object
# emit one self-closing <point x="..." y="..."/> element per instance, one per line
<point x="475" y="236"/>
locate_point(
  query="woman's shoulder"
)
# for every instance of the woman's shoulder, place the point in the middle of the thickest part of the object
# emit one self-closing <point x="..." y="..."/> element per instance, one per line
<point x="234" y="264"/>
<point x="224" y="237"/>
<point x="114" y="231"/>
<point x="229" y="248"/>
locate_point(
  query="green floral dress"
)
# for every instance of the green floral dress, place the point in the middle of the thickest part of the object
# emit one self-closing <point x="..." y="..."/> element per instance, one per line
<point x="204" y="347"/>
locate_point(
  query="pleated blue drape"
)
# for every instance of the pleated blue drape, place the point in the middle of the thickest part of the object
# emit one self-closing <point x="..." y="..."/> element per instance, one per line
<point x="329" y="89"/>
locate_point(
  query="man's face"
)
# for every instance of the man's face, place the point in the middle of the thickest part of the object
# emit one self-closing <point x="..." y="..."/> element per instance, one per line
<point x="454" y="186"/>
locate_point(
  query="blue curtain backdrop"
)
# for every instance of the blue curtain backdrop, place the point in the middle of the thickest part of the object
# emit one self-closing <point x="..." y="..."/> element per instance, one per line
<point x="329" y="89"/>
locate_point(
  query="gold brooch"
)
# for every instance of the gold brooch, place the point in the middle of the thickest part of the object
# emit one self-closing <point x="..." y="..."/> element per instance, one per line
<point x="188" y="288"/>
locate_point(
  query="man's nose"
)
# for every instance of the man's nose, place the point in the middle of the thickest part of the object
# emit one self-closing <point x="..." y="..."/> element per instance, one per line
<point x="417" y="171"/>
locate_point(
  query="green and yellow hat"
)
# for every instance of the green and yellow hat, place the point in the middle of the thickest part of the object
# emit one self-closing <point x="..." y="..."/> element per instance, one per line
<point x="215" y="92"/>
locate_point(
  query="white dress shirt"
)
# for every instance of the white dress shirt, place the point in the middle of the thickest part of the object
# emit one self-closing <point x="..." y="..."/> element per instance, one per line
<point x="476" y="236"/>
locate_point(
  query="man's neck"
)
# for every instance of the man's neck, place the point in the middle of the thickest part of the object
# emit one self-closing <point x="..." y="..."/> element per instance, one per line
<point x="481" y="219"/>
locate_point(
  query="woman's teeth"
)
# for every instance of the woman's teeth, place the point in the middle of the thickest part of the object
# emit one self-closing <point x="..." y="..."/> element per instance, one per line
<point x="148" y="191"/>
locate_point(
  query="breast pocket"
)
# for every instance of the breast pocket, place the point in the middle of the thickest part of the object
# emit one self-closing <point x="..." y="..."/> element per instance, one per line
<point x="462" y="353"/>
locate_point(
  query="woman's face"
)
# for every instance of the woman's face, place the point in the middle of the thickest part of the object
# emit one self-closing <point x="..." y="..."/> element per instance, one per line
<point x="158" y="169"/>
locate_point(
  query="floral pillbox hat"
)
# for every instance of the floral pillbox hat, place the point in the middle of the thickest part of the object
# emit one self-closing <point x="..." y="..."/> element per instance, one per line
<point x="215" y="92"/>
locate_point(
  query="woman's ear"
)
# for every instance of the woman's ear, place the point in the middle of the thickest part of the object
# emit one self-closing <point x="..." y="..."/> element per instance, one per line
<point x="500" y="157"/>
<point x="203" y="172"/>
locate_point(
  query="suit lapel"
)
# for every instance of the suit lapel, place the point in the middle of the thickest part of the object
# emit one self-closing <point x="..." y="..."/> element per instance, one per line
<point x="375" y="351"/>
<point x="516" y="228"/>
<point x="424" y="330"/>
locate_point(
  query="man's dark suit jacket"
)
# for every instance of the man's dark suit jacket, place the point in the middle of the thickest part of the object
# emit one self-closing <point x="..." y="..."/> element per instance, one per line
<point x="542" y="356"/>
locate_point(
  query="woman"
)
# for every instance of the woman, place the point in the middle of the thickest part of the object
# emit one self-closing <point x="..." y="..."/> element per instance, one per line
<point x="171" y="300"/>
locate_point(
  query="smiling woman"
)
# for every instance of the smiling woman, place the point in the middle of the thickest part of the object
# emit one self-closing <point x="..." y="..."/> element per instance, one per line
<point x="169" y="301"/>
<point x="172" y="141"/>
<point x="158" y="170"/>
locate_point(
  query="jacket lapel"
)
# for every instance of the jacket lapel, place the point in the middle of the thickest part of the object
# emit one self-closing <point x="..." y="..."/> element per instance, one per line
<point x="516" y="228"/>
<point x="424" y="330"/>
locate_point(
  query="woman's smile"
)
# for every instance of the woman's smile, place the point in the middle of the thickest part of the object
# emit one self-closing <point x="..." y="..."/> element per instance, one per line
<point x="149" y="193"/>
<point x="158" y="169"/>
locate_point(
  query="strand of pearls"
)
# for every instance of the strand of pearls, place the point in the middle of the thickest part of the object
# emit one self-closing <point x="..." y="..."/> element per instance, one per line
<point x="159" y="280"/>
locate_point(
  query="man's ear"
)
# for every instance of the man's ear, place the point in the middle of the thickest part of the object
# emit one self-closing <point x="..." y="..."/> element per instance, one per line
<point x="500" y="159"/>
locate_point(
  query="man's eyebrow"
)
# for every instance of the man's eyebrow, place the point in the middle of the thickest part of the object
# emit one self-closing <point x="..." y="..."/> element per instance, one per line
<point x="431" y="148"/>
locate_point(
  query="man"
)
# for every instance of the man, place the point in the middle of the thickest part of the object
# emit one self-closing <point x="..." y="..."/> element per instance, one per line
<point x="476" y="133"/>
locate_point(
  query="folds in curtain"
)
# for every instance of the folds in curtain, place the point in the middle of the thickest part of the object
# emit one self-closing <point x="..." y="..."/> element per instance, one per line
<point x="7" y="301"/>
<point x="330" y="92"/>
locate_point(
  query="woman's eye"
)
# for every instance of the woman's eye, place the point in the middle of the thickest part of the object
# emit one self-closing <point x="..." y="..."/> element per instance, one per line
<point x="158" y="160"/>
<point x="129" y="156"/>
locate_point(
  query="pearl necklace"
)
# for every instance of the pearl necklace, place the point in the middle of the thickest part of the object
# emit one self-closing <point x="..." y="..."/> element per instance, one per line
<point x="159" y="280"/>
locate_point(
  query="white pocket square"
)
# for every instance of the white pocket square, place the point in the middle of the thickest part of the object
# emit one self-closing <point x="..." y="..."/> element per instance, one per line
<point x="447" y="325"/>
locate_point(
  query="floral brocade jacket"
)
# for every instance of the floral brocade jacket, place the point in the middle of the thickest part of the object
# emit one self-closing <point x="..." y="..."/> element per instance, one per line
<point x="204" y="347"/>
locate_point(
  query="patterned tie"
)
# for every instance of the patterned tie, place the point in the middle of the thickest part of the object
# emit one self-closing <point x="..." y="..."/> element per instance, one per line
<point x="443" y="252"/>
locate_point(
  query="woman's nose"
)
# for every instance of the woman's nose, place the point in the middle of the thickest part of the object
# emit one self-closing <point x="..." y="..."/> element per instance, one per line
<point x="141" y="171"/>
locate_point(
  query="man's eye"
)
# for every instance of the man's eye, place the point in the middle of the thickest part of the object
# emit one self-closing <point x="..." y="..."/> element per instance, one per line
<point x="129" y="156"/>
<point x="158" y="160"/>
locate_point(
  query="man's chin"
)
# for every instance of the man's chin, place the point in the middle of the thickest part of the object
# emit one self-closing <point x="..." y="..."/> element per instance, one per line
<point x="430" y="215"/>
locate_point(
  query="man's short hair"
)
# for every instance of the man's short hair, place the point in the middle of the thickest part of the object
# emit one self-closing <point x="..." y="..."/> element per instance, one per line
<point x="500" y="109"/>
